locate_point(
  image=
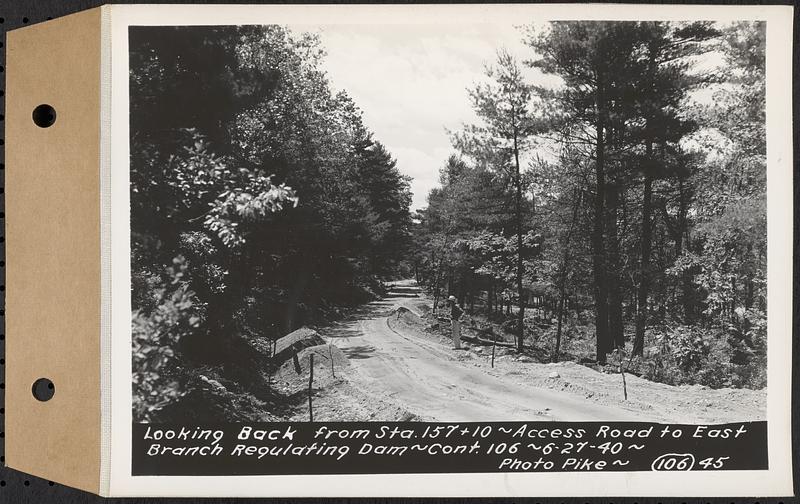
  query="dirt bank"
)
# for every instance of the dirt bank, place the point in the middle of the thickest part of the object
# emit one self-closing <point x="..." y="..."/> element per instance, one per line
<point x="334" y="398"/>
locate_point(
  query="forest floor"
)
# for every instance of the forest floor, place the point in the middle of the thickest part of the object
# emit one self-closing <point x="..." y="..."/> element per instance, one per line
<point x="392" y="363"/>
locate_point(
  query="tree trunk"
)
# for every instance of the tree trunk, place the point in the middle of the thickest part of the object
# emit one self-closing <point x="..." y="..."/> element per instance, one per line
<point x="598" y="246"/>
<point x="518" y="215"/>
<point x="558" y="330"/>
<point x="644" y="261"/>
<point x="615" y="324"/>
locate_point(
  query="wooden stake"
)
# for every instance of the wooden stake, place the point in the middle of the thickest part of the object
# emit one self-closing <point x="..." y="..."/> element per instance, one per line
<point x="622" y="372"/>
<point x="310" y="383"/>
<point x="330" y="352"/>
<point x="494" y="344"/>
<point x="624" y="385"/>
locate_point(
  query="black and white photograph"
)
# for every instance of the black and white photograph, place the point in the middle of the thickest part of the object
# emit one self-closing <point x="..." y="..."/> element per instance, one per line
<point x="541" y="221"/>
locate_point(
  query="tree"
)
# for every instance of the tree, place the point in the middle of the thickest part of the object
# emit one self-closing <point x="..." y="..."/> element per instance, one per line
<point x="626" y="82"/>
<point x="728" y="260"/>
<point x="597" y="64"/>
<point x="664" y="85"/>
<point x="509" y="122"/>
<point x="269" y="187"/>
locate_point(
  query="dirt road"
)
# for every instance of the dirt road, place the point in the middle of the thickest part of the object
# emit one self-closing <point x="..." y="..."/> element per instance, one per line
<point x="426" y="378"/>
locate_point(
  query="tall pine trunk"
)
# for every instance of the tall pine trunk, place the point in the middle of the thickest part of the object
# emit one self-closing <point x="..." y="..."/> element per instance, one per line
<point x="602" y="343"/>
<point x="644" y="261"/>
<point x="518" y="212"/>
<point x="616" y="332"/>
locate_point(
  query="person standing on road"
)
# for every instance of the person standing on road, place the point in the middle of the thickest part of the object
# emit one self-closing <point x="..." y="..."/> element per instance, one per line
<point x="455" y="321"/>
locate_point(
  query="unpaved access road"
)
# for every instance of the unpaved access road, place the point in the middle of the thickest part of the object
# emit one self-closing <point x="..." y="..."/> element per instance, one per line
<point x="424" y="377"/>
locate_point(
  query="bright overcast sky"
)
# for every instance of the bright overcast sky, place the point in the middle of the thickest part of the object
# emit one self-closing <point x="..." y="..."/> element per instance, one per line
<point x="410" y="81"/>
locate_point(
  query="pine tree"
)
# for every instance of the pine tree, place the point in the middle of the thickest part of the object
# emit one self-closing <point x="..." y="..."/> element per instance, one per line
<point x="506" y="107"/>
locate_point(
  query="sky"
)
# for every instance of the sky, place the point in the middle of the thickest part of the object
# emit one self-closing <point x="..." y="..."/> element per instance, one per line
<point x="411" y="83"/>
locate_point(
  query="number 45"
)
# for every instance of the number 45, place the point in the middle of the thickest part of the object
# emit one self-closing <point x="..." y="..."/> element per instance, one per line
<point x="713" y="463"/>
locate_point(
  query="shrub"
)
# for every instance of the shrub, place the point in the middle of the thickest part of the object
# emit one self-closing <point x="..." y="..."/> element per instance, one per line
<point x="155" y="334"/>
<point x="704" y="356"/>
<point x="689" y="348"/>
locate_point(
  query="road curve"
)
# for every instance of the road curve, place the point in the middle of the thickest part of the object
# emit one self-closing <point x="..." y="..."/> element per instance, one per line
<point x="424" y="377"/>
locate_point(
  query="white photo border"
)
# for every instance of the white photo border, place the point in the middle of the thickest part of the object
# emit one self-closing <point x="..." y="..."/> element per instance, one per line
<point x="777" y="481"/>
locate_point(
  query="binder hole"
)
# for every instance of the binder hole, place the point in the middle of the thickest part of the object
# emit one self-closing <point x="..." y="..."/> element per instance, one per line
<point x="43" y="389"/>
<point x="51" y="483"/>
<point x="26" y="483"/>
<point x="44" y="115"/>
<point x="2" y="483"/>
<point x="24" y="20"/>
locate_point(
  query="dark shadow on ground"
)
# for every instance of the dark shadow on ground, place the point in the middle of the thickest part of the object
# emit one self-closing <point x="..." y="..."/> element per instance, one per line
<point x="340" y="331"/>
<point x="359" y="352"/>
<point x="404" y="292"/>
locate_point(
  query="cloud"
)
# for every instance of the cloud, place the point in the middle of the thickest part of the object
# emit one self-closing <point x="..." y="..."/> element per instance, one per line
<point x="423" y="166"/>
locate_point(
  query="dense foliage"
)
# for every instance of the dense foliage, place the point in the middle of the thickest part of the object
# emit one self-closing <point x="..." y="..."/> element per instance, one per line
<point x="626" y="203"/>
<point x="260" y="201"/>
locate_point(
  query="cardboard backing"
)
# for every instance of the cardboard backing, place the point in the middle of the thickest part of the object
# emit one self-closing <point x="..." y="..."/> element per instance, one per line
<point x="53" y="228"/>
